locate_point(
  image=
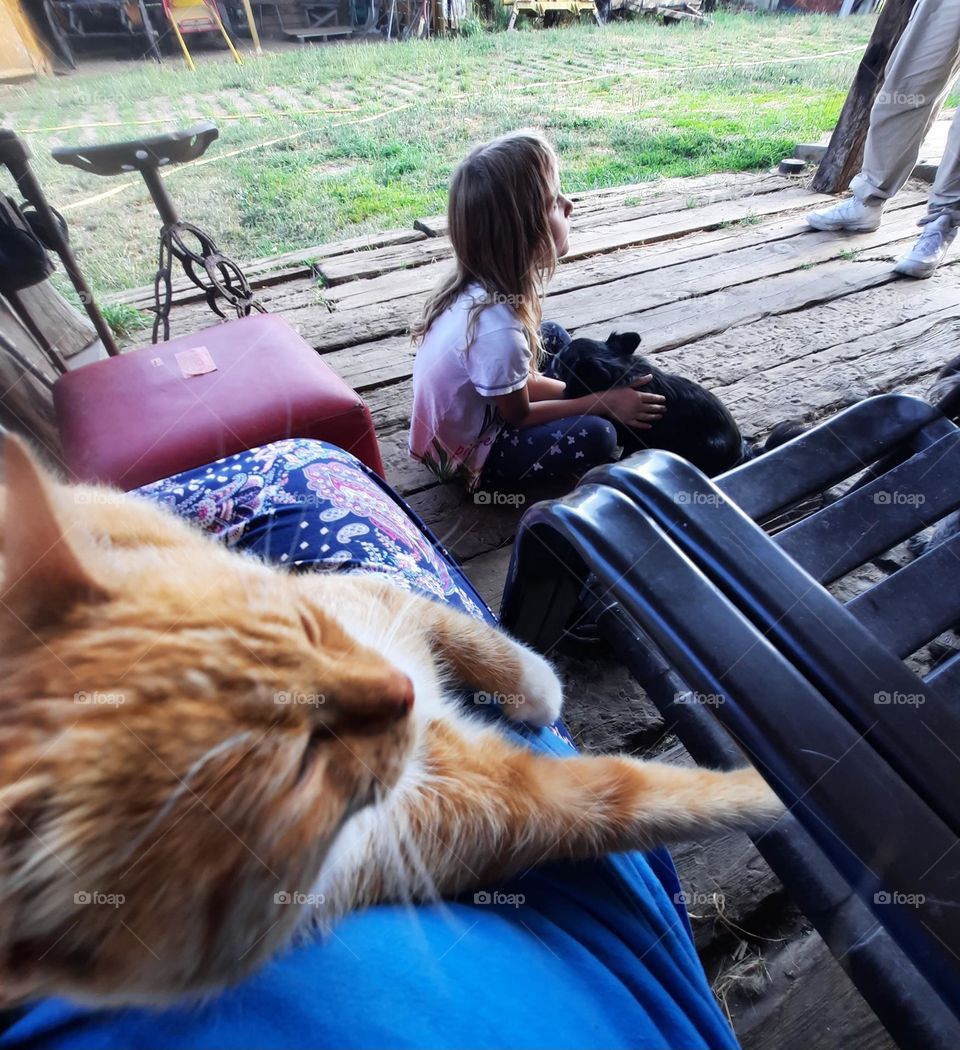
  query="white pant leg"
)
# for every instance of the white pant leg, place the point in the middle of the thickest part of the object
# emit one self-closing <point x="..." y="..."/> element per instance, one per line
<point x="945" y="196"/>
<point x="918" y="76"/>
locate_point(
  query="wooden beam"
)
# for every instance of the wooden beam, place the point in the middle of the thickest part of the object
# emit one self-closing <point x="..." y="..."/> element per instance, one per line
<point x="845" y="153"/>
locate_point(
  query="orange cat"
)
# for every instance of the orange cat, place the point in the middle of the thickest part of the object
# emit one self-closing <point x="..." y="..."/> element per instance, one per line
<point x="199" y="752"/>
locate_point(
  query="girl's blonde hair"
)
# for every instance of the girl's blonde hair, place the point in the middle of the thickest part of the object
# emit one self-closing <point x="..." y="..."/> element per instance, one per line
<point x="498" y="218"/>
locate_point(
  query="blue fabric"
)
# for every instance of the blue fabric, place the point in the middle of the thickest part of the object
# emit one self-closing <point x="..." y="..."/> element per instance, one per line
<point x="590" y="955"/>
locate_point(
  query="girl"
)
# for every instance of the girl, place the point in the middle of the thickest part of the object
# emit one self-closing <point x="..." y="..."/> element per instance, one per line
<point x="482" y="412"/>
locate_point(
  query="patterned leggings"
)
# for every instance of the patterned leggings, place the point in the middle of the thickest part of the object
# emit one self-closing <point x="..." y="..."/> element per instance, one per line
<point x="561" y="449"/>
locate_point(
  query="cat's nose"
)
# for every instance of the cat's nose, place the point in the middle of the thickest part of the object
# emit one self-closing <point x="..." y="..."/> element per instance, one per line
<point x="398" y="695"/>
<point x="381" y="701"/>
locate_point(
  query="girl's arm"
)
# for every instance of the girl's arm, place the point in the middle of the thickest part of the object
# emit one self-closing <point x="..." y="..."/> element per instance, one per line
<point x="540" y="388"/>
<point x="626" y="405"/>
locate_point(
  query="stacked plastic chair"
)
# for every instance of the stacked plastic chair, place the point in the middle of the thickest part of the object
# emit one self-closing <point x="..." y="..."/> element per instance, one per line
<point x="748" y="656"/>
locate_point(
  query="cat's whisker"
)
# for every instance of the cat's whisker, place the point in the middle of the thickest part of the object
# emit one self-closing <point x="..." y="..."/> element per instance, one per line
<point x="183" y="788"/>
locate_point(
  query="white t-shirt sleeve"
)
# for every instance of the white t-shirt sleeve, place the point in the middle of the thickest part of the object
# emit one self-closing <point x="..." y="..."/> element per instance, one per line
<point x="498" y="359"/>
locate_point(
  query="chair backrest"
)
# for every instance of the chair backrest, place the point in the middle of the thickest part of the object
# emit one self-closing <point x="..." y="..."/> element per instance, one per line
<point x="863" y="749"/>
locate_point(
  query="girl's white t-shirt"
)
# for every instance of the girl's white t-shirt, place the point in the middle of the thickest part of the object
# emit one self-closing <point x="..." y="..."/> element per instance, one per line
<point x="455" y="420"/>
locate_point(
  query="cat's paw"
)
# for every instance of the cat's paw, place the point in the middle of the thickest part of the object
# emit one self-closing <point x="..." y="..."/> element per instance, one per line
<point x="539" y="696"/>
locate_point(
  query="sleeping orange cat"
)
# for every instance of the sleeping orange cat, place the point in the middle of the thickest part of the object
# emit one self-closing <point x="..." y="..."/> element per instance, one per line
<point x="202" y="754"/>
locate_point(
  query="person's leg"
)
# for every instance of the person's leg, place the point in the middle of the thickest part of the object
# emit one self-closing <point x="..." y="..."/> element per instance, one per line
<point x="942" y="221"/>
<point x="945" y="196"/>
<point x="563" y="448"/>
<point x="917" y="78"/>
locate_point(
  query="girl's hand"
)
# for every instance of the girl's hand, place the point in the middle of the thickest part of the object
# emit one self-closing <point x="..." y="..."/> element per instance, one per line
<point x="629" y="406"/>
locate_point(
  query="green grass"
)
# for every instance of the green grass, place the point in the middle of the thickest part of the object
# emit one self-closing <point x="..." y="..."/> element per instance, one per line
<point x="124" y="320"/>
<point x="626" y="103"/>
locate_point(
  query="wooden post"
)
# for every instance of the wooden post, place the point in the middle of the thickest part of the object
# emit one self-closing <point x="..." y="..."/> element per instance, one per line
<point x="845" y="153"/>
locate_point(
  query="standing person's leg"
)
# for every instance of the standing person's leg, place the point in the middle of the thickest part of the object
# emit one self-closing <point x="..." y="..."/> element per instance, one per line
<point x="942" y="221"/>
<point x="945" y="196"/>
<point x="917" y="78"/>
<point x="564" y="448"/>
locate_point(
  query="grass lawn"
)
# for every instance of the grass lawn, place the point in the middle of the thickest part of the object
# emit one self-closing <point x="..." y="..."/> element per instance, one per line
<point x="336" y="140"/>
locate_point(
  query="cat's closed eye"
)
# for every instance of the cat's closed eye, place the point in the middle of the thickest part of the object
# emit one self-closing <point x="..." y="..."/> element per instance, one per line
<point x="310" y="628"/>
<point x="318" y="736"/>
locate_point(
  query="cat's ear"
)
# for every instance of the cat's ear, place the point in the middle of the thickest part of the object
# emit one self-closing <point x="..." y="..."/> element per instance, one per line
<point x="44" y="574"/>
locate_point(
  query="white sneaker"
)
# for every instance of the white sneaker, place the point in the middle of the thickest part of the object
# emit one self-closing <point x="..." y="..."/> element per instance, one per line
<point x="926" y="255"/>
<point x="852" y="214"/>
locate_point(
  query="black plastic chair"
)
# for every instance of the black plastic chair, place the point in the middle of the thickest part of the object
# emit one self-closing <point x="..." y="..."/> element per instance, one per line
<point x="747" y="655"/>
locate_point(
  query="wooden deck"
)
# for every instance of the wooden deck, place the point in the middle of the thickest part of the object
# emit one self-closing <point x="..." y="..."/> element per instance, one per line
<point x="719" y="274"/>
<point x="727" y="284"/>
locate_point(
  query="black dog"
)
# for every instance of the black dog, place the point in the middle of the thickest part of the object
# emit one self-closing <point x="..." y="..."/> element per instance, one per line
<point x="697" y="425"/>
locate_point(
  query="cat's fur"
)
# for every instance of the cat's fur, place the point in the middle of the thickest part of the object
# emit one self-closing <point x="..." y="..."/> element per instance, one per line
<point x="161" y="809"/>
<point x="697" y="424"/>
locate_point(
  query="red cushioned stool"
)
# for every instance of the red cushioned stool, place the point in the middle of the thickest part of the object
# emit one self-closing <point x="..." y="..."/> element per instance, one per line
<point x="143" y="415"/>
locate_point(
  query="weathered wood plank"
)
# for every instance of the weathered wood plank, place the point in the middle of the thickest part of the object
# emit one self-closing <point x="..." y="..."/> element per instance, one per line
<point x="810" y="1004"/>
<point x="67" y="329"/>
<point x="637" y="193"/>
<point x="828" y="380"/>
<point x="672" y="219"/>
<point x="723" y="879"/>
<point x="369" y="264"/>
<point x="674" y="324"/>
<point x="601" y="269"/>
<point x="380" y="365"/>
<point x="316" y="312"/>
<point x="606" y="237"/>
<point x="590" y="305"/>
<point x="488" y="573"/>
<point x="276" y="268"/>
<point x="741" y="266"/>
<point x="26" y="405"/>
<point x="737" y="356"/>
<point x="308" y="309"/>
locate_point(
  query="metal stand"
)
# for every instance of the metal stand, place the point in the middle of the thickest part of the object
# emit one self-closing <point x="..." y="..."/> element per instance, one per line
<point x="15" y="154"/>
<point x="214" y="273"/>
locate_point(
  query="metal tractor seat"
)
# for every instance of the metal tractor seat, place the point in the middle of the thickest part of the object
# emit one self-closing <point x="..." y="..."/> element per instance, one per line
<point x="217" y="275"/>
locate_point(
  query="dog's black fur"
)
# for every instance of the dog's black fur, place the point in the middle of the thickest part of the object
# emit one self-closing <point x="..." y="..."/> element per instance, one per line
<point x="697" y="425"/>
<point x="945" y="392"/>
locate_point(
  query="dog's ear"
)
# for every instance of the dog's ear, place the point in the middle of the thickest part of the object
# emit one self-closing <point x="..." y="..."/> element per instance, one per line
<point x="623" y="344"/>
